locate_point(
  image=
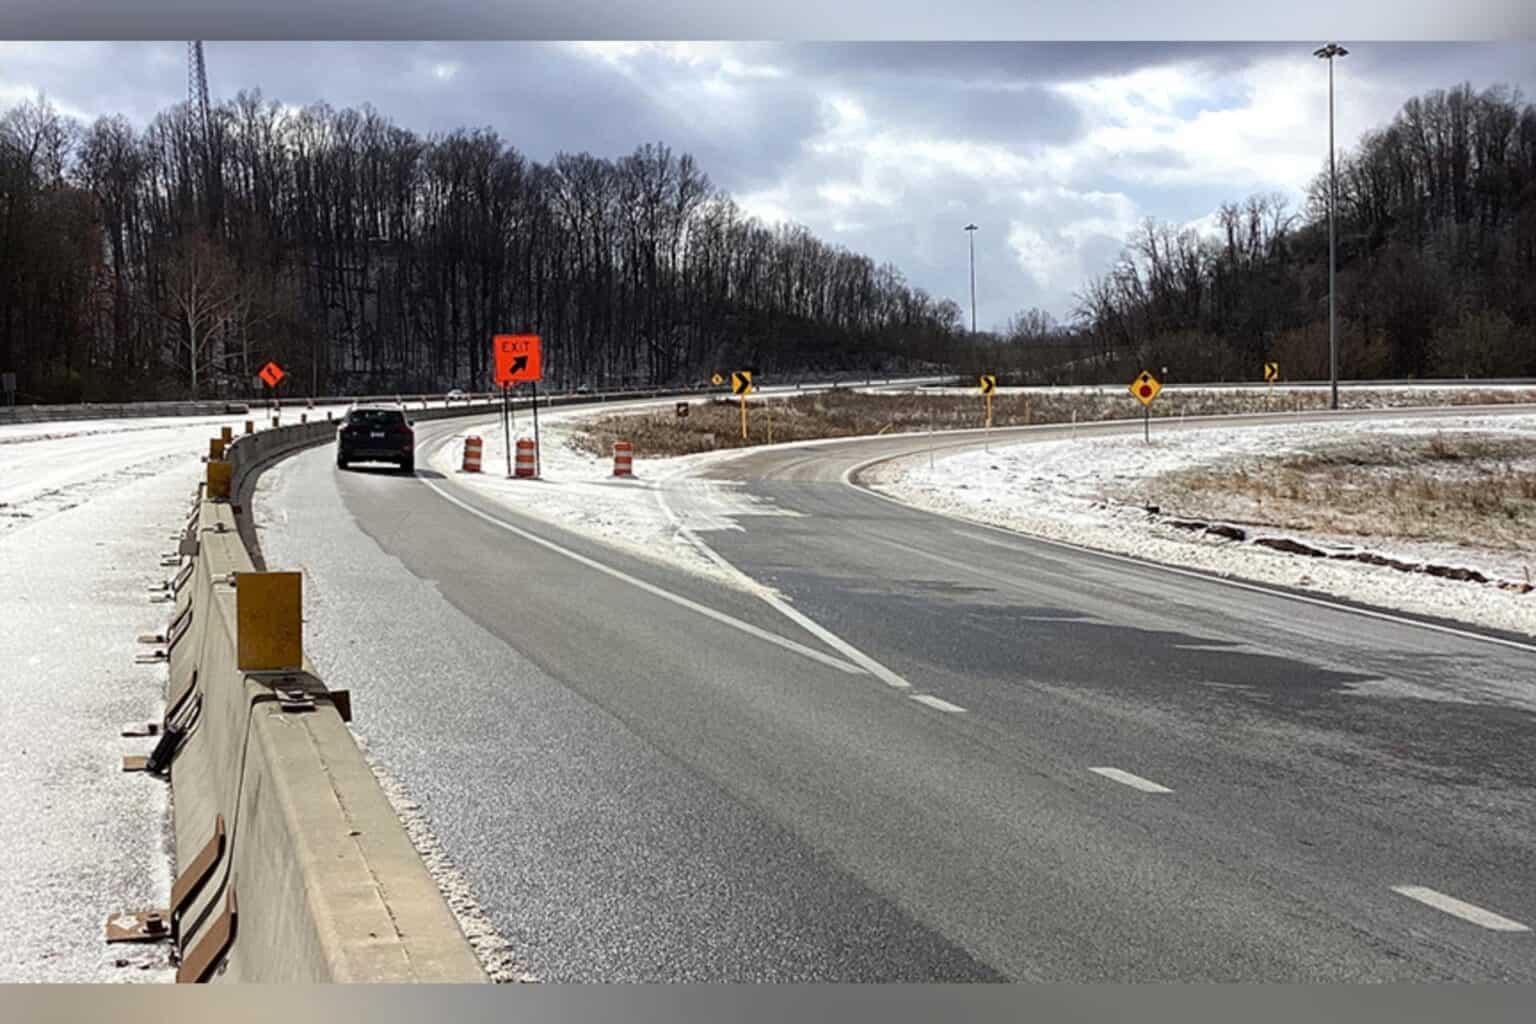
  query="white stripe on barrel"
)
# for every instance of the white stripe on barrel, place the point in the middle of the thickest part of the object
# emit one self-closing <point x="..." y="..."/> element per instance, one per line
<point x="623" y="458"/>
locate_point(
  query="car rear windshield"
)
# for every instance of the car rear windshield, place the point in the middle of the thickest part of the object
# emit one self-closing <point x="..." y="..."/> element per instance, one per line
<point x="376" y="418"/>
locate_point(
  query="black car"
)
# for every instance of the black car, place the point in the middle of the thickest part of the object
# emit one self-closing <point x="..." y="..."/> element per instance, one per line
<point x="376" y="433"/>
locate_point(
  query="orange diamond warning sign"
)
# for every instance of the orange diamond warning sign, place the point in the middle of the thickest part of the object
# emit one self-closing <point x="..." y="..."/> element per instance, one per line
<point x="271" y="374"/>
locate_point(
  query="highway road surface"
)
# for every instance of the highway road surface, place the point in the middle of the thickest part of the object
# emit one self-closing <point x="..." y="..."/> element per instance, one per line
<point x="947" y="753"/>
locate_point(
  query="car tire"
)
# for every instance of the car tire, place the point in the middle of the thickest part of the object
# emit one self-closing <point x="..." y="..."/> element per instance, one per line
<point x="408" y="465"/>
<point x="341" y="462"/>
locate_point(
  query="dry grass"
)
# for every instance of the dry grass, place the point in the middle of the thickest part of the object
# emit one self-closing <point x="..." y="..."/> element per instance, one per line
<point x="1463" y="489"/>
<point x="716" y="423"/>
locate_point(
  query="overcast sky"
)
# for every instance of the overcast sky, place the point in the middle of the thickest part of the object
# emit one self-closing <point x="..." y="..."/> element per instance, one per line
<point x="1056" y="150"/>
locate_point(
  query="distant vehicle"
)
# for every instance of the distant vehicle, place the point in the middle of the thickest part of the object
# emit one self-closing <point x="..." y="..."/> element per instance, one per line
<point x="455" y="395"/>
<point x="583" y="390"/>
<point x="376" y="433"/>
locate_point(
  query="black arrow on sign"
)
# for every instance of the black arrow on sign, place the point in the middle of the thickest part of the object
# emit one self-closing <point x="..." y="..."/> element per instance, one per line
<point x="521" y="362"/>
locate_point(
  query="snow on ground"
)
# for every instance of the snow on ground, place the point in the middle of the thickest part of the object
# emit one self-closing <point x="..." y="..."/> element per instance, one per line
<point x="49" y="468"/>
<point x="648" y="515"/>
<point x="88" y="511"/>
<point x="1057" y="489"/>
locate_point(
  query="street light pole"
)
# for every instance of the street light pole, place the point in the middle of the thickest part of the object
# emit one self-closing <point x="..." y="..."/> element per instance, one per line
<point x="1328" y="53"/>
<point x="970" y="230"/>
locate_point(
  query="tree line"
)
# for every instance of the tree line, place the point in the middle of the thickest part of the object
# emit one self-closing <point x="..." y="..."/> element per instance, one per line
<point x="363" y="257"/>
<point x="1436" y="248"/>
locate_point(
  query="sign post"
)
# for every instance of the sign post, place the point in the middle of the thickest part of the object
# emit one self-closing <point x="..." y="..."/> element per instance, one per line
<point x="1271" y="374"/>
<point x="538" y="470"/>
<point x="519" y="358"/>
<point x="988" y="384"/>
<point x="506" y="425"/>
<point x="1146" y="388"/>
<point x="741" y="384"/>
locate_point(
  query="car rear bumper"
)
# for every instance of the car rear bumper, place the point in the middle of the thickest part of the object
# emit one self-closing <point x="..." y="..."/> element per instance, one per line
<point x="374" y="454"/>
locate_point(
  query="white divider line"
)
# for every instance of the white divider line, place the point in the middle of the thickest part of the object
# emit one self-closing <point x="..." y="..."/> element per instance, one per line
<point x="651" y="588"/>
<point x="936" y="702"/>
<point x="1134" y="781"/>
<point x="783" y="607"/>
<point x="1457" y="908"/>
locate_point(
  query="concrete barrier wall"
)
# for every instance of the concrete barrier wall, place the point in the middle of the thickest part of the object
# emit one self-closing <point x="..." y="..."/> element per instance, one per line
<point x="323" y="881"/>
<point x="314" y="878"/>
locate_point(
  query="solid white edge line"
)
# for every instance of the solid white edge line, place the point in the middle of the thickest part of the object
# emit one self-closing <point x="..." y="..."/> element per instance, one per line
<point x="938" y="703"/>
<point x="1134" y="781"/>
<point x="826" y="636"/>
<point x="1459" y="908"/>
<point x="1177" y="570"/>
<point x="651" y="588"/>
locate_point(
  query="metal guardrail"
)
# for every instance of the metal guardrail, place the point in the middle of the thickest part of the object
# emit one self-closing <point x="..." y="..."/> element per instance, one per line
<point x="120" y="410"/>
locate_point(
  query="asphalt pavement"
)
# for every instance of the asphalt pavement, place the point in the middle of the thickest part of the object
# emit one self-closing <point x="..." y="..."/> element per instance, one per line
<point x="949" y="753"/>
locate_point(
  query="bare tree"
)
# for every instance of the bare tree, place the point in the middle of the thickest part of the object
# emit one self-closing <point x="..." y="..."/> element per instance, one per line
<point x="203" y="294"/>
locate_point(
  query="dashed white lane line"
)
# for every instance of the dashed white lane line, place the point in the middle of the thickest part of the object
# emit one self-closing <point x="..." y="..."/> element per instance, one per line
<point x="1134" y="781"/>
<point x="936" y="702"/>
<point x="1457" y="908"/>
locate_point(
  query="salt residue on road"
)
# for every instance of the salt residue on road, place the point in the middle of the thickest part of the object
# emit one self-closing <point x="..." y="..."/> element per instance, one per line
<point x="1066" y="490"/>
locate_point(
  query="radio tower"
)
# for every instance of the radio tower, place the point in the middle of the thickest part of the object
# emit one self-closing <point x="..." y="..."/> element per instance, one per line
<point x="205" y="144"/>
<point x="197" y="87"/>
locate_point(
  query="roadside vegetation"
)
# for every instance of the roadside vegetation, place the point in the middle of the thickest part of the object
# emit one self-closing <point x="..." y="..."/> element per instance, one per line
<point x="1460" y="488"/>
<point x="716" y="423"/>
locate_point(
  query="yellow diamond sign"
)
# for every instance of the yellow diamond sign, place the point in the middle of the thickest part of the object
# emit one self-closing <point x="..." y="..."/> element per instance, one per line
<point x="1145" y="388"/>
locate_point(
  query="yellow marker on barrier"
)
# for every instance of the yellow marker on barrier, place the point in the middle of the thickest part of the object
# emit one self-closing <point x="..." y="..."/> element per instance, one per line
<point x="269" y="621"/>
<point x="227" y="433"/>
<point x="215" y="449"/>
<point x="218" y="480"/>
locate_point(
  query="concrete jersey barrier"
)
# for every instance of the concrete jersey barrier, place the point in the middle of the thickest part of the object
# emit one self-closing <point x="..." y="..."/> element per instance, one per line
<point x="291" y="864"/>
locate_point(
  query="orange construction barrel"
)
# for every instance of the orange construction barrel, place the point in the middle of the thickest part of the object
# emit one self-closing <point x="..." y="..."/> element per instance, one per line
<point x="524" y="464"/>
